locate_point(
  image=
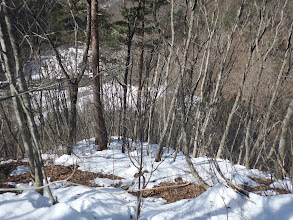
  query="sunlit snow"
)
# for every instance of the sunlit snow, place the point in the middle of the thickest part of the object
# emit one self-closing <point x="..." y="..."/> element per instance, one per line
<point x="78" y="202"/>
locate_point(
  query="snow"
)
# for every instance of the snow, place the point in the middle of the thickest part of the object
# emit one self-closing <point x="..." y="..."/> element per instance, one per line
<point x="66" y="160"/>
<point x="107" y="202"/>
<point x="283" y="184"/>
<point x="48" y="68"/>
<point x="31" y="205"/>
<point x="19" y="170"/>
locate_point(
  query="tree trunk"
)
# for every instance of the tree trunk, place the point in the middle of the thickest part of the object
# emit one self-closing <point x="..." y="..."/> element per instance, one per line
<point x="72" y="80"/>
<point x="138" y="113"/>
<point x="235" y="105"/>
<point x="264" y="128"/>
<point x="100" y="126"/>
<point x="73" y="91"/>
<point x="8" y="59"/>
<point x="285" y="126"/>
<point x="141" y="62"/>
<point x="125" y="83"/>
<point x="22" y="105"/>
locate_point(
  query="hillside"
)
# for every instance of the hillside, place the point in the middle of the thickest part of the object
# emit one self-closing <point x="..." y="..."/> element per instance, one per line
<point x="199" y="93"/>
<point x="177" y="195"/>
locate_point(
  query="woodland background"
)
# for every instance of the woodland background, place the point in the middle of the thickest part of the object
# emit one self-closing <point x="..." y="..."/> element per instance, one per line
<point x="210" y="78"/>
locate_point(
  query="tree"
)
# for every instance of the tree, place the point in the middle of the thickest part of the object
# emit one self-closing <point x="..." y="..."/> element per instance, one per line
<point x="100" y="126"/>
<point x="12" y="66"/>
<point x="73" y="79"/>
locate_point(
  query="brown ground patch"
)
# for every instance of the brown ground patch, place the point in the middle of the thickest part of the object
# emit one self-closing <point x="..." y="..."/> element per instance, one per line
<point x="260" y="181"/>
<point x="172" y="193"/>
<point x="264" y="185"/>
<point x="6" y="169"/>
<point x="260" y="190"/>
<point x="58" y="172"/>
<point x="55" y="172"/>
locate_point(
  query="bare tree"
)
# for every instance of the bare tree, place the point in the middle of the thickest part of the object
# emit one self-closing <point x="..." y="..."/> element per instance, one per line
<point x="12" y="66"/>
<point x="132" y="23"/>
<point x="73" y="79"/>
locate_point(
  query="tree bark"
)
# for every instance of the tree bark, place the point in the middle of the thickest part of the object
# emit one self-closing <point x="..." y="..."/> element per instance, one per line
<point x="285" y="127"/>
<point x="100" y="126"/>
<point x="125" y="84"/>
<point x="131" y="29"/>
<point x="22" y="106"/>
<point x="73" y="91"/>
<point x="8" y="58"/>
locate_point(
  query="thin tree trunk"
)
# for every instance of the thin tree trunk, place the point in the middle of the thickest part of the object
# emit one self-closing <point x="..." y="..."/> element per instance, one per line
<point x="285" y="127"/>
<point x="152" y="105"/>
<point x="171" y="49"/>
<point x="264" y="128"/>
<point x="138" y="112"/>
<point x="179" y="82"/>
<point x="170" y="133"/>
<point x="125" y="84"/>
<point x="141" y="62"/>
<point x="73" y="91"/>
<point x="130" y="34"/>
<point x="235" y="105"/>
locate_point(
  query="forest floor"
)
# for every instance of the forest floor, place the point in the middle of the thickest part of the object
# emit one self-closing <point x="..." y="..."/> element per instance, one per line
<point x="103" y="185"/>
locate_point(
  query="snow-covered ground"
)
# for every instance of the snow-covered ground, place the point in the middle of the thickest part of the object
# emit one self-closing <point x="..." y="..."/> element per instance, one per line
<point x="48" y="68"/>
<point x="79" y="202"/>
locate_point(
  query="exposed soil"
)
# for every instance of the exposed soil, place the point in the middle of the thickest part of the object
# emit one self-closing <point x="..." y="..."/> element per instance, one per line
<point x="172" y="193"/>
<point x="264" y="185"/>
<point x="55" y="172"/>
<point x="262" y="181"/>
<point x="6" y="169"/>
<point x="58" y="172"/>
<point x="260" y="190"/>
